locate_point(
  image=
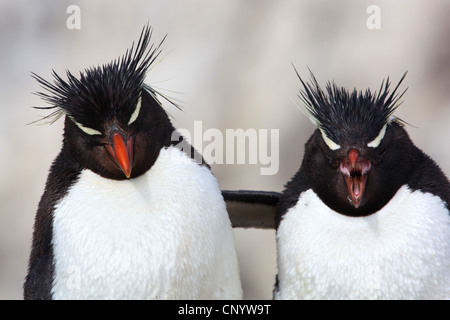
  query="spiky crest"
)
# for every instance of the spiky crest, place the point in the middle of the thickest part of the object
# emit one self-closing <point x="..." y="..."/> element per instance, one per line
<point x="341" y="115"/>
<point x="112" y="90"/>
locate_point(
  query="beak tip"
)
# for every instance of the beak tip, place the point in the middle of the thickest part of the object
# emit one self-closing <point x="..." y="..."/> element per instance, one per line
<point x="126" y="168"/>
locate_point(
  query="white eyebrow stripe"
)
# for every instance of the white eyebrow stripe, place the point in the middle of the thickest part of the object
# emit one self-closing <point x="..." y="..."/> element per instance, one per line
<point x="376" y="142"/>
<point x="87" y="130"/>
<point x="330" y="143"/>
<point x="136" y="111"/>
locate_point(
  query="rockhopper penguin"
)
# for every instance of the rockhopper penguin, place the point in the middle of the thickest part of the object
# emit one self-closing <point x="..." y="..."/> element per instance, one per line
<point x="367" y="214"/>
<point x="125" y="213"/>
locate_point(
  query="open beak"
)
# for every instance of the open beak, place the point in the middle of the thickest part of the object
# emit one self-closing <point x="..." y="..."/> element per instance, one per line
<point x="355" y="169"/>
<point x="121" y="150"/>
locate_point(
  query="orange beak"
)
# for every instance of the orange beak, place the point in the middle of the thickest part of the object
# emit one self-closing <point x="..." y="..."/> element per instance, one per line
<point x="122" y="152"/>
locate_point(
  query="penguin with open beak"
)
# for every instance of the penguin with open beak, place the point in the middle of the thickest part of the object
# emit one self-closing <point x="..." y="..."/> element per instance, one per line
<point x="126" y="213"/>
<point x="367" y="214"/>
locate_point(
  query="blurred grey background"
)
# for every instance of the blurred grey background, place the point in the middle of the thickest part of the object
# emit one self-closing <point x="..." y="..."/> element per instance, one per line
<point x="230" y="64"/>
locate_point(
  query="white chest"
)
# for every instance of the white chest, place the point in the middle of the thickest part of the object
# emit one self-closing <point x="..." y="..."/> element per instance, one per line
<point x="400" y="252"/>
<point x="164" y="235"/>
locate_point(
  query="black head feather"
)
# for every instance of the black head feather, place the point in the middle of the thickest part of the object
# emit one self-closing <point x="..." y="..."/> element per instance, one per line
<point x="343" y="116"/>
<point x="109" y="91"/>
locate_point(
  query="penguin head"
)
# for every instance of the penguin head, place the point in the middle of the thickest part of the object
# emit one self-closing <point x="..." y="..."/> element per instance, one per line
<point x="356" y="157"/>
<point x="114" y="123"/>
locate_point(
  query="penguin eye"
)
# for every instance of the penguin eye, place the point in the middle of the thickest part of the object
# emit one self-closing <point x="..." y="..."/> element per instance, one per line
<point x="87" y="130"/>
<point x="376" y="142"/>
<point x="330" y="143"/>
<point x="136" y="111"/>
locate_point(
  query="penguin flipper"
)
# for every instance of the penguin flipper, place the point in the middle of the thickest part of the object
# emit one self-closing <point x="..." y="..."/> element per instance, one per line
<point x="251" y="209"/>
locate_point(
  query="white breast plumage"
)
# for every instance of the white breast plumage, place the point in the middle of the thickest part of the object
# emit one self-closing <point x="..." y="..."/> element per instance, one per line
<point x="163" y="235"/>
<point x="400" y="252"/>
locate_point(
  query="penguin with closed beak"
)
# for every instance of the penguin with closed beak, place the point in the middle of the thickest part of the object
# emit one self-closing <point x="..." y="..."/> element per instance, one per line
<point x="367" y="214"/>
<point x="126" y="213"/>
